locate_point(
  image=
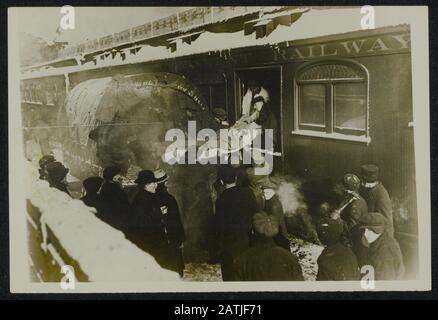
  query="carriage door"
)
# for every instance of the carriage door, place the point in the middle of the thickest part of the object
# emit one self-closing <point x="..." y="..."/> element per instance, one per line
<point x="269" y="78"/>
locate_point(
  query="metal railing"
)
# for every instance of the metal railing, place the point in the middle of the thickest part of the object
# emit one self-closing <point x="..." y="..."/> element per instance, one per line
<point x="181" y="21"/>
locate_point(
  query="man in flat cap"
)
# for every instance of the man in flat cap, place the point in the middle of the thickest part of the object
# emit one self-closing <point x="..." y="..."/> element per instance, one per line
<point x="265" y="261"/>
<point x="382" y="251"/>
<point x="375" y="195"/>
<point x="337" y="262"/>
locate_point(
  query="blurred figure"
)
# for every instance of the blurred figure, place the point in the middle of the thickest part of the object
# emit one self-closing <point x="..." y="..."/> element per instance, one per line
<point x="92" y="186"/>
<point x="376" y="196"/>
<point x="217" y="184"/>
<point x="235" y="208"/>
<point x="220" y="119"/>
<point x="171" y="224"/>
<point x="202" y="228"/>
<point x="254" y="181"/>
<point x="43" y="162"/>
<point x="337" y="262"/>
<point x="273" y="207"/>
<point x="115" y="206"/>
<point x="56" y="176"/>
<point x="382" y="251"/>
<point x="265" y="261"/>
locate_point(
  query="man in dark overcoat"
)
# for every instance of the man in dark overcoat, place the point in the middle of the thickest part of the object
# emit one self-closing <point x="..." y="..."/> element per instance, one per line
<point x="382" y="252"/>
<point x="265" y="261"/>
<point x="376" y="195"/>
<point x="92" y="197"/>
<point x="337" y="261"/>
<point x="115" y="206"/>
<point x="172" y="257"/>
<point x="235" y="209"/>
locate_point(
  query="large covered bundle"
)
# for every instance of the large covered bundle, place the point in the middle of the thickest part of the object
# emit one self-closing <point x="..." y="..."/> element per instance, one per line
<point x="128" y="115"/>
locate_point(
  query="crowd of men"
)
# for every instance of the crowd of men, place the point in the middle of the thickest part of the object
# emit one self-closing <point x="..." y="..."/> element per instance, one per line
<point x="250" y="232"/>
<point x="151" y="219"/>
<point x="360" y="233"/>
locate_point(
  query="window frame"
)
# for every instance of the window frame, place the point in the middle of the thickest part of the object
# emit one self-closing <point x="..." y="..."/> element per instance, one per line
<point x="329" y="129"/>
<point x="210" y="85"/>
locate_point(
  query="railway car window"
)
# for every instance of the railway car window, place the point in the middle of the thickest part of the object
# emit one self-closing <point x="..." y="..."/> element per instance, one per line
<point x="312" y="101"/>
<point x="214" y="94"/>
<point x="350" y="106"/>
<point x="332" y="99"/>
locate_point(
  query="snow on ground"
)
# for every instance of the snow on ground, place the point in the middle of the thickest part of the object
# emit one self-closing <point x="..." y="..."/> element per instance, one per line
<point x="306" y="252"/>
<point x="202" y="272"/>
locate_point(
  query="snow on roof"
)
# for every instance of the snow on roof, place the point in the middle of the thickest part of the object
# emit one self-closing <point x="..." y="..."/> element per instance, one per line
<point x="312" y="24"/>
<point x="102" y="252"/>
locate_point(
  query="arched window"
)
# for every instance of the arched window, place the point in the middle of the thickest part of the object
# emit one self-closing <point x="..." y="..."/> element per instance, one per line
<point x="332" y="100"/>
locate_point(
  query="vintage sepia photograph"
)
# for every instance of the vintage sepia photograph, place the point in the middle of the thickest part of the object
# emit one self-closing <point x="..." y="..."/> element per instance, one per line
<point x="194" y="149"/>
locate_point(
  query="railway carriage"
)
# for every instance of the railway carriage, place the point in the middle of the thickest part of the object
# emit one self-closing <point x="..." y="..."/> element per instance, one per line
<point x="341" y="98"/>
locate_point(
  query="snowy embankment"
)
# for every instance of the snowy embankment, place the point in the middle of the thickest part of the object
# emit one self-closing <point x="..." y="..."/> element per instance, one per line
<point x="102" y="252"/>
